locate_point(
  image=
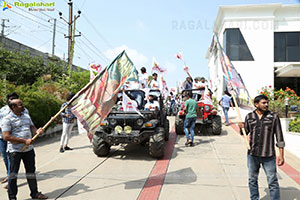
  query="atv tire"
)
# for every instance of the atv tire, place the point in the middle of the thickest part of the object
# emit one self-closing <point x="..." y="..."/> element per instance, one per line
<point x="157" y="144"/>
<point x="100" y="147"/>
<point x="206" y="129"/>
<point x="179" y="126"/>
<point x="167" y="129"/>
<point x="216" y="125"/>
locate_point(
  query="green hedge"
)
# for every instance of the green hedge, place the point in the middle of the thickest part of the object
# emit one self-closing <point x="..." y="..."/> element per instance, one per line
<point x="295" y="125"/>
<point x="41" y="104"/>
<point x="43" y="86"/>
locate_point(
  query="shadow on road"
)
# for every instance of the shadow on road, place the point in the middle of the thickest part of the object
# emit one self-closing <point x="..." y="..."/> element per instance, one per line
<point x="182" y="177"/>
<point x="285" y="193"/>
<point x="76" y="190"/>
<point x="48" y="175"/>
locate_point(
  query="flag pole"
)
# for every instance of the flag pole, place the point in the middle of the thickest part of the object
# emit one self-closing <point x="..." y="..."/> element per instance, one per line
<point x="46" y="125"/>
<point x="235" y="102"/>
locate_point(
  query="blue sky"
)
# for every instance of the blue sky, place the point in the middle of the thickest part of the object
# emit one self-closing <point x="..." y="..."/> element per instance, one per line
<point x="146" y="29"/>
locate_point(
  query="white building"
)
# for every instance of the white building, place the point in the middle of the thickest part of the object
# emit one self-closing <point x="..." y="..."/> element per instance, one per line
<point x="263" y="43"/>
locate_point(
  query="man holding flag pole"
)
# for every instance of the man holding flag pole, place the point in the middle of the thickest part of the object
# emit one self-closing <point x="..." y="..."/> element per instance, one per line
<point x="259" y="129"/>
<point x="93" y="103"/>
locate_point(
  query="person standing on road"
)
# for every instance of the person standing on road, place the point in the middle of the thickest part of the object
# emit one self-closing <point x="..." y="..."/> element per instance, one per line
<point x="17" y="128"/>
<point x="68" y="122"/>
<point x="4" y="111"/>
<point x="261" y="126"/>
<point x="190" y="108"/>
<point x="225" y="102"/>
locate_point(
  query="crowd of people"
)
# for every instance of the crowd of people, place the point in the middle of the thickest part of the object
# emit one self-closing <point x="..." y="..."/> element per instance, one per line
<point x="261" y="126"/>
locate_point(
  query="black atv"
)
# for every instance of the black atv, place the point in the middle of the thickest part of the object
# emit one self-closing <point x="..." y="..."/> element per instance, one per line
<point x="129" y="127"/>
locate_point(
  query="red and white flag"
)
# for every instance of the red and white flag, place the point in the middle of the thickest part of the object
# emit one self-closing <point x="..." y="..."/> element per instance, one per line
<point x="130" y="105"/>
<point x="94" y="70"/>
<point x="206" y="98"/>
<point x="156" y="67"/>
<point x="179" y="56"/>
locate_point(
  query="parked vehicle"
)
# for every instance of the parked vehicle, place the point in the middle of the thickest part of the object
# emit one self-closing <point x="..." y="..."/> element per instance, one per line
<point x="151" y="127"/>
<point x="208" y="121"/>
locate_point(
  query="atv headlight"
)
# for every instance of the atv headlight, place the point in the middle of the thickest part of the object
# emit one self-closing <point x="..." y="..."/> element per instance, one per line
<point x="118" y="129"/>
<point x="139" y="122"/>
<point x="206" y="108"/>
<point x="113" y="122"/>
<point x="127" y="129"/>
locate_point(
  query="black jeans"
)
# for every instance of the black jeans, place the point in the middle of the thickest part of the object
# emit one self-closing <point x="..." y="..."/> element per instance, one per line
<point x="29" y="164"/>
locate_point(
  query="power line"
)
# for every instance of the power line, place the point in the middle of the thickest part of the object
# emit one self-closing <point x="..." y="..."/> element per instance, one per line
<point x="45" y="15"/>
<point x="95" y="29"/>
<point x="34" y="21"/>
<point x="93" y="51"/>
<point x="99" y="52"/>
<point x="84" y="52"/>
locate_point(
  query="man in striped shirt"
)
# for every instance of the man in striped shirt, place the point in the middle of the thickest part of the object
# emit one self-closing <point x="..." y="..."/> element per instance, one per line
<point x="261" y="126"/>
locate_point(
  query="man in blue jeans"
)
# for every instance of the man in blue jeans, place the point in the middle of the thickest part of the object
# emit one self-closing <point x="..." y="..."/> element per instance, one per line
<point x="225" y="102"/>
<point x="190" y="108"/>
<point x="261" y="126"/>
<point x="4" y="111"/>
<point x="17" y="129"/>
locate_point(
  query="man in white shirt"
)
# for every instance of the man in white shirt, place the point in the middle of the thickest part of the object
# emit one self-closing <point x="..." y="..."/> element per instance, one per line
<point x="151" y="104"/>
<point x="144" y="77"/>
<point x="154" y="83"/>
<point x="202" y="85"/>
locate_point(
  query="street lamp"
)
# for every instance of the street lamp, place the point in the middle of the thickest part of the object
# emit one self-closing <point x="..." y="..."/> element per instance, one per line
<point x="286" y="106"/>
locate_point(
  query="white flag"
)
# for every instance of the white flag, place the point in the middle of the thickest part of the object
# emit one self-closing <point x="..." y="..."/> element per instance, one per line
<point x="207" y="99"/>
<point x="130" y="105"/>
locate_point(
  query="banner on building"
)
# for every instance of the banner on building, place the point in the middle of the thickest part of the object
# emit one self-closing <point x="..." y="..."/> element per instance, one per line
<point x="233" y="80"/>
<point x="93" y="103"/>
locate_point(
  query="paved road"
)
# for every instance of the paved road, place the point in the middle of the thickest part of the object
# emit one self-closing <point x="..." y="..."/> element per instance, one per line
<point x="215" y="168"/>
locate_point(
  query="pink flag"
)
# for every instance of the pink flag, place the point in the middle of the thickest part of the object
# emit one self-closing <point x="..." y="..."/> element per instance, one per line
<point x="157" y="68"/>
<point x="186" y="69"/>
<point x="94" y="70"/>
<point x="179" y="56"/>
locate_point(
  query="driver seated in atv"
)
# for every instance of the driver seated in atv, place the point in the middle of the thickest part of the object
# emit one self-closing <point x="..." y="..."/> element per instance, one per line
<point x="152" y="103"/>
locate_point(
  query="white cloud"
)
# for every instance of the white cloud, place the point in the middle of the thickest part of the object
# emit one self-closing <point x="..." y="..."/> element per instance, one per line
<point x="137" y="58"/>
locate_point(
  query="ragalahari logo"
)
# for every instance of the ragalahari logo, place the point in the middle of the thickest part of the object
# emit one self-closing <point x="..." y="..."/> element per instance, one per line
<point x="5" y="6"/>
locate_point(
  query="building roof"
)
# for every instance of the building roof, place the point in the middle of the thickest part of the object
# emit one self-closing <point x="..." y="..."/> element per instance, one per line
<point x="253" y="12"/>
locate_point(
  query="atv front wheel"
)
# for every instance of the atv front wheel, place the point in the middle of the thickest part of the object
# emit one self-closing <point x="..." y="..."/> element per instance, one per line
<point x="100" y="147"/>
<point x="216" y="125"/>
<point x="179" y="126"/>
<point x="157" y="144"/>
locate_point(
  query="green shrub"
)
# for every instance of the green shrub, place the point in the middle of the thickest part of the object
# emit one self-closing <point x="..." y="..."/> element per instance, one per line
<point x="277" y="99"/>
<point x="41" y="102"/>
<point x="41" y="106"/>
<point x="295" y="125"/>
<point x="23" y="68"/>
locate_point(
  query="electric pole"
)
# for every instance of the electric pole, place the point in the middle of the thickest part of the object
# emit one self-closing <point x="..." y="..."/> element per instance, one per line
<point x="71" y="36"/>
<point x="3" y="26"/>
<point x="53" y="37"/>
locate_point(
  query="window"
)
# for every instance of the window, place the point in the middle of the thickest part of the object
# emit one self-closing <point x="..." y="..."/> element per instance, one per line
<point x="287" y="47"/>
<point x="235" y="45"/>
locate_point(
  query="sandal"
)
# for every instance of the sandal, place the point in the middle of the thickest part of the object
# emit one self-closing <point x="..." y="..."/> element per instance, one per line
<point x="4" y="180"/>
<point x="39" y="195"/>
